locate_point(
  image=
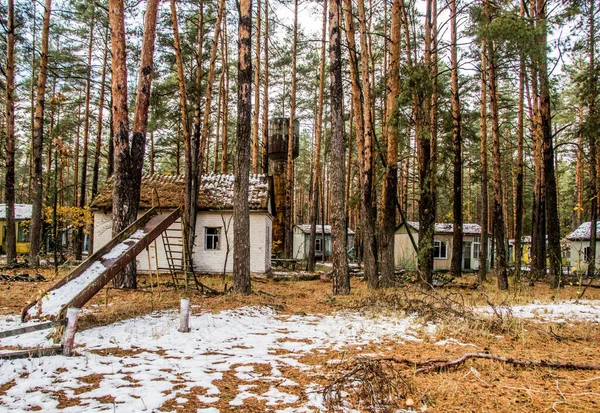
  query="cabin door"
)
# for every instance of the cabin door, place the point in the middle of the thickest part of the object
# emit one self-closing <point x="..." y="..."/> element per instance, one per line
<point x="466" y="254"/>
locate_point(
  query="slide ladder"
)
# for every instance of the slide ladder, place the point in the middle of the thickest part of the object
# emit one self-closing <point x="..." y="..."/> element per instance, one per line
<point x="78" y="287"/>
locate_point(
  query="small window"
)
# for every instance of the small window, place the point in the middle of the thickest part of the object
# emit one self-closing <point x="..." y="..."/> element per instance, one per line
<point x="22" y="232"/>
<point x="587" y="254"/>
<point x="318" y="246"/>
<point x="440" y="250"/>
<point x="212" y="237"/>
<point x="476" y="250"/>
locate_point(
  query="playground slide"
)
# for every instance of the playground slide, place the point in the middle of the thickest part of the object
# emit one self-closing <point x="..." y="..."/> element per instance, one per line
<point x="99" y="269"/>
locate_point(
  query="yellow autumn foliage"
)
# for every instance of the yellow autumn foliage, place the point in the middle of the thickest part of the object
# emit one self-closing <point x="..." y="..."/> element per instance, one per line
<point x="69" y="217"/>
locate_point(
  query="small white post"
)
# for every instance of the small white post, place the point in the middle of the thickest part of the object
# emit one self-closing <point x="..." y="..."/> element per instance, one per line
<point x="70" y="329"/>
<point x="184" y="315"/>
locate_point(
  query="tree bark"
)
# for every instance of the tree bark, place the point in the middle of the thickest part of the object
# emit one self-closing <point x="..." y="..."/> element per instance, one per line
<point x="225" y="132"/>
<point x="241" y="213"/>
<point x="193" y="159"/>
<point x="265" y="120"/>
<point x="519" y="186"/>
<point x="368" y="211"/>
<point x="316" y="170"/>
<point x="457" y="237"/>
<point x="552" y="220"/>
<point x="593" y="158"/>
<point x="391" y="179"/>
<point x="289" y="188"/>
<point x="98" y="148"/>
<point x="424" y="105"/>
<point x="256" y="116"/>
<point x="499" y="230"/>
<point x="210" y="85"/>
<point x="483" y="256"/>
<point x="86" y="131"/>
<point x="340" y="277"/>
<point x="129" y="153"/>
<point x="11" y="238"/>
<point x="35" y="228"/>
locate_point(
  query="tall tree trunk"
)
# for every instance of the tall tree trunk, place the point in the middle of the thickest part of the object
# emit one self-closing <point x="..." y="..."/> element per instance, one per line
<point x="316" y="170"/>
<point x="86" y="131"/>
<point x="368" y="211"/>
<point x="391" y="179"/>
<point x="552" y="221"/>
<point x="289" y="188"/>
<point x="35" y="228"/>
<point x="225" y="133"/>
<point x="593" y="158"/>
<point x="98" y="148"/>
<point x="265" y="120"/>
<point x="210" y="84"/>
<point x="426" y="170"/>
<point x="241" y="213"/>
<point x="255" y="142"/>
<point x="357" y="110"/>
<point x="457" y="237"/>
<point x="193" y="159"/>
<point x="129" y="153"/>
<point x="499" y="230"/>
<point x="11" y="238"/>
<point x="341" y="279"/>
<point x="519" y="189"/>
<point x="577" y="213"/>
<point x="218" y="124"/>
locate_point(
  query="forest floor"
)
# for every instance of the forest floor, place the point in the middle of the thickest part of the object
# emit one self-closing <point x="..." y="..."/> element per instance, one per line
<point x="293" y="347"/>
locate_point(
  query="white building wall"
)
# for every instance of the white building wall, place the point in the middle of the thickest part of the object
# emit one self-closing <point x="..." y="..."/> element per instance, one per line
<point x="205" y="261"/>
<point x="404" y="253"/>
<point x="577" y="257"/>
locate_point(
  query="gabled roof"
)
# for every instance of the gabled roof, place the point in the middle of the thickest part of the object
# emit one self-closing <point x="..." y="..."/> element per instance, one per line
<point x="474" y="229"/>
<point x="583" y="232"/>
<point x="305" y="228"/>
<point x="168" y="191"/>
<point x="22" y="211"/>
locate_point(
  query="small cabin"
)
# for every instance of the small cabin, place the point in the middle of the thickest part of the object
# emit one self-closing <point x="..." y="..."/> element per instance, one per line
<point x="213" y="247"/>
<point x="323" y="247"/>
<point x="580" y="246"/>
<point x="405" y="256"/>
<point x="22" y="218"/>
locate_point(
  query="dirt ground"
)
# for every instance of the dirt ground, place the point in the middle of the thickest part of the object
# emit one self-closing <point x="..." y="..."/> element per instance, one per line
<point x="475" y="386"/>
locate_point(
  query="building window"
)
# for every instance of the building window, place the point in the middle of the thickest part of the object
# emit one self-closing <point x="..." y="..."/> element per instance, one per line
<point x="476" y="247"/>
<point x="22" y="232"/>
<point x="440" y="250"/>
<point x="318" y="245"/>
<point x="212" y="238"/>
<point x="587" y="254"/>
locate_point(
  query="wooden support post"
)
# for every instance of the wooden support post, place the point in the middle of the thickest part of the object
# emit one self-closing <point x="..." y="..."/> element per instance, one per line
<point x="70" y="329"/>
<point x="184" y="315"/>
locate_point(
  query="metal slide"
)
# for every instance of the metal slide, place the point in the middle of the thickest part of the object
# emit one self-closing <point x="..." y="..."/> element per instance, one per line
<point x="78" y="287"/>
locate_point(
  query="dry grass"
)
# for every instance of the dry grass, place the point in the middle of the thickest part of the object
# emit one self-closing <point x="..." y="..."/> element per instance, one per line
<point x="477" y="386"/>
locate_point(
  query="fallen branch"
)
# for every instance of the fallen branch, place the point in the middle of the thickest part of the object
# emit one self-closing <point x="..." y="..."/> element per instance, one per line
<point x="441" y="364"/>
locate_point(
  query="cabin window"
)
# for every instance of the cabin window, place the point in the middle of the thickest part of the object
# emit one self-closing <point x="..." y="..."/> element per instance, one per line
<point x="22" y="232"/>
<point x="440" y="250"/>
<point x="212" y="238"/>
<point x="318" y="245"/>
<point x="587" y="254"/>
<point x="476" y="247"/>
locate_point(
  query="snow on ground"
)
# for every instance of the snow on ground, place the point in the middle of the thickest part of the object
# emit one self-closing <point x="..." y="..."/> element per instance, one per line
<point x="557" y="312"/>
<point x="145" y="362"/>
<point x="158" y="357"/>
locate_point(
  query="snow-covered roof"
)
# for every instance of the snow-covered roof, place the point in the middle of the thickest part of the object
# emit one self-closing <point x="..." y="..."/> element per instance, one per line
<point x="306" y="229"/>
<point x="449" y="228"/>
<point x="168" y="191"/>
<point x="583" y="232"/>
<point x="22" y="211"/>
